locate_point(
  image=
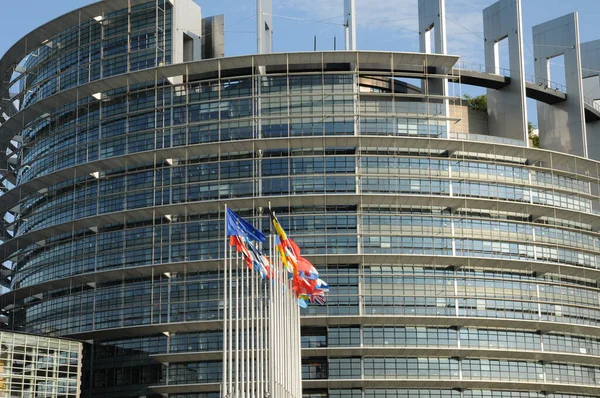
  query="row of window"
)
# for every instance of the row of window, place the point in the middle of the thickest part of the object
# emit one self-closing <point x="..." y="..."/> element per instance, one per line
<point x="171" y="128"/>
<point x="426" y="393"/>
<point x="97" y="49"/>
<point x="62" y="262"/>
<point x="143" y="303"/>
<point x="449" y="369"/>
<point x="224" y="170"/>
<point x="429" y="337"/>
<point x="367" y="336"/>
<point x="139" y="97"/>
<point x="409" y="368"/>
<point x="217" y="190"/>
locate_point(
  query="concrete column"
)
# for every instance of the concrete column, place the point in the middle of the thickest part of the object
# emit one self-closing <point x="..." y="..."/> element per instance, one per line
<point x="590" y="64"/>
<point x="432" y="16"/>
<point x="562" y="125"/>
<point x="507" y="106"/>
<point x="213" y="37"/>
<point x="187" y="31"/>
<point x="350" y="22"/>
<point x="264" y="16"/>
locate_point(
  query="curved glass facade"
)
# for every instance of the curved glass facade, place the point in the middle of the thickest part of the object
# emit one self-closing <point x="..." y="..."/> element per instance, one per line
<point x="460" y="265"/>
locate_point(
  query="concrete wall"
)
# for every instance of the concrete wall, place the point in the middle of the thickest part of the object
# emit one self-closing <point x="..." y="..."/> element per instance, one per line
<point x="471" y="122"/>
<point x="187" y="27"/>
<point x="507" y="107"/>
<point x="213" y="37"/>
<point x="562" y="126"/>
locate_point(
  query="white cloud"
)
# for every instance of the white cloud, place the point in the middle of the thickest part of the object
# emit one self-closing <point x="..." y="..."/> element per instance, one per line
<point x="464" y="25"/>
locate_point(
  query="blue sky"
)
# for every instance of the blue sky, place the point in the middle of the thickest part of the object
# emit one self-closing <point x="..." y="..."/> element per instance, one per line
<point x="382" y="25"/>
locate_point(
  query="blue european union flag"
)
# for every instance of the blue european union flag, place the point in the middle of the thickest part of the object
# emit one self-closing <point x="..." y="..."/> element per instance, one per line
<point x="237" y="226"/>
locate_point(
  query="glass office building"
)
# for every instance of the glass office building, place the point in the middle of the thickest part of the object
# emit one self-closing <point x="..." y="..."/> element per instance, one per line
<point x="37" y="366"/>
<point x="461" y="265"/>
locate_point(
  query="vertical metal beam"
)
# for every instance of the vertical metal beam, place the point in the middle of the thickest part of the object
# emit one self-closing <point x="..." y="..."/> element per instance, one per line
<point x="590" y="65"/>
<point x="264" y="16"/>
<point x="507" y="107"/>
<point x="350" y="24"/>
<point x="562" y="126"/>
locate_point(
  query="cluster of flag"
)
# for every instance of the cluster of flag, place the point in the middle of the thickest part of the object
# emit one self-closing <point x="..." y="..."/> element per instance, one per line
<point x="305" y="278"/>
<point x="242" y="236"/>
<point x="307" y="285"/>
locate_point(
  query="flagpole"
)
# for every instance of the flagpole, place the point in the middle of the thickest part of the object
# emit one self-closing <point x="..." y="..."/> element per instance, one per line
<point x="280" y="334"/>
<point x="298" y="351"/>
<point x="271" y="332"/>
<point x="243" y="331"/>
<point x="230" y="362"/>
<point x="261" y="347"/>
<point x="246" y="328"/>
<point x="256" y="336"/>
<point x="290" y="343"/>
<point x="225" y="332"/>
<point x="251" y="339"/>
<point x="237" y="325"/>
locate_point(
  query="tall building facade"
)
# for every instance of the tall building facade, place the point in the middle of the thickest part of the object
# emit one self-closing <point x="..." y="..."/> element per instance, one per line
<point x="38" y="366"/>
<point x="463" y="262"/>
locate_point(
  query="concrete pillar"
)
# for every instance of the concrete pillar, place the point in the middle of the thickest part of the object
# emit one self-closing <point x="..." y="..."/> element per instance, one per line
<point x="350" y="22"/>
<point x="562" y="125"/>
<point x="187" y="31"/>
<point x="432" y="16"/>
<point x="264" y="13"/>
<point x="213" y="37"/>
<point x="590" y="64"/>
<point x="507" y="106"/>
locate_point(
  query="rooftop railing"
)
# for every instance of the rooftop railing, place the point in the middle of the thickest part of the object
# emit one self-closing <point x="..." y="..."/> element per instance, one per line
<point x="483" y="138"/>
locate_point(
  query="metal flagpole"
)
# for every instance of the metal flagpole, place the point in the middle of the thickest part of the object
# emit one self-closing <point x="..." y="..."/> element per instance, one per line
<point x="249" y="378"/>
<point x="289" y="340"/>
<point x="225" y="329"/>
<point x="263" y="335"/>
<point x="290" y="344"/>
<point x="278" y="332"/>
<point x="247" y="320"/>
<point x="299" y="351"/>
<point x="258" y="340"/>
<point x="284" y="338"/>
<point x="252" y="356"/>
<point x="298" y="370"/>
<point x="271" y="339"/>
<point x="259" y="333"/>
<point x="230" y="362"/>
<point x="273" y="347"/>
<point x="241" y="305"/>
<point x="255" y="335"/>
<point x="237" y="325"/>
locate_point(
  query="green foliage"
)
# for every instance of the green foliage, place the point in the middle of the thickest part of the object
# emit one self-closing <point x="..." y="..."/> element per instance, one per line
<point x="535" y="138"/>
<point x="478" y="103"/>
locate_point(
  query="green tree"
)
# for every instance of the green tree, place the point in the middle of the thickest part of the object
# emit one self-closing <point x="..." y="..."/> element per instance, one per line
<point x="535" y="138"/>
<point x="478" y="103"/>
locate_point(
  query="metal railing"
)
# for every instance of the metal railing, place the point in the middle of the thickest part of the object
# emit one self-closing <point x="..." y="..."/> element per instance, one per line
<point x="483" y="138"/>
<point x="468" y="66"/>
<point x="482" y="68"/>
<point x="595" y="104"/>
<point x="546" y="83"/>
